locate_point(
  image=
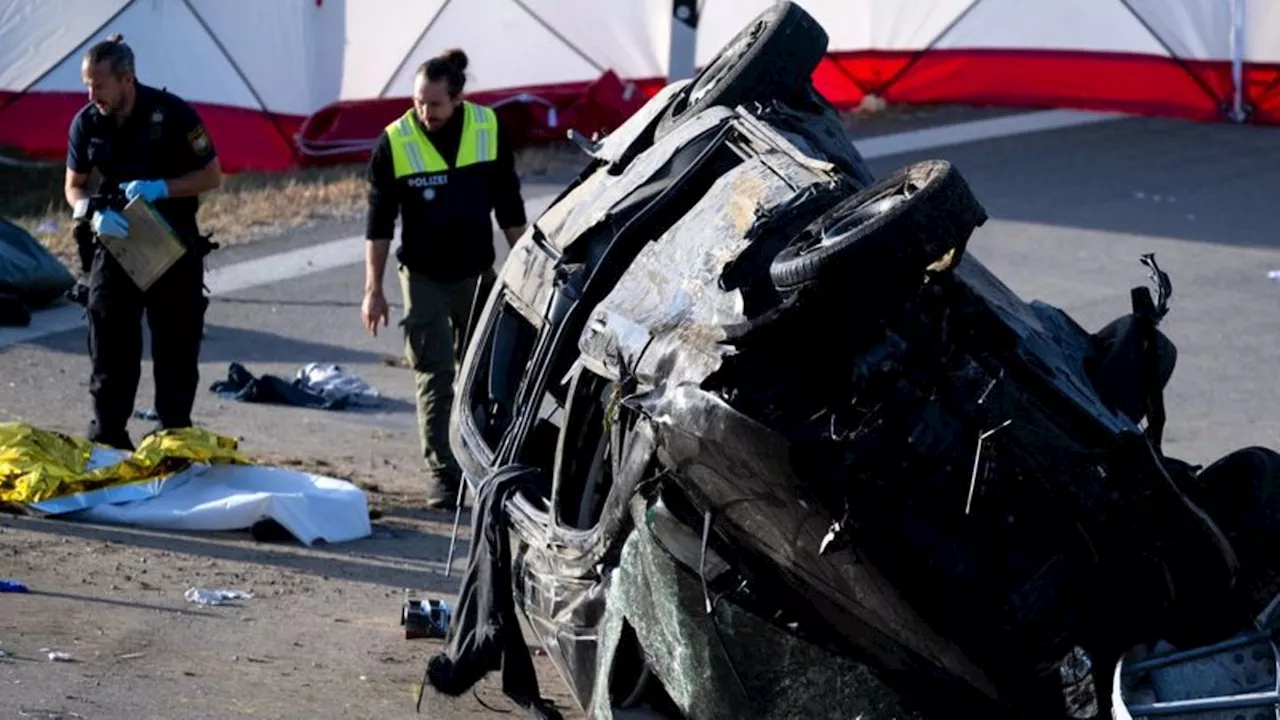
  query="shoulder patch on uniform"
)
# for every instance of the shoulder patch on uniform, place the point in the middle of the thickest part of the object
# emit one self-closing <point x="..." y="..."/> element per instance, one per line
<point x="199" y="140"/>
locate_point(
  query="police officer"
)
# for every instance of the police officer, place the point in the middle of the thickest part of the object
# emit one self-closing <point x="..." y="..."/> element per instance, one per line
<point x="442" y="167"/>
<point x="150" y="144"/>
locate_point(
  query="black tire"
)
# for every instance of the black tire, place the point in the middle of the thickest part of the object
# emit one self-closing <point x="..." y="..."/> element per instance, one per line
<point x="918" y="219"/>
<point x="773" y="56"/>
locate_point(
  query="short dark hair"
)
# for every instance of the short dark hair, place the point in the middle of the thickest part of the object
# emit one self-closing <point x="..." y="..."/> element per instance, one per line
<point x="451" y="66"/>
<point x="113" y="51"/>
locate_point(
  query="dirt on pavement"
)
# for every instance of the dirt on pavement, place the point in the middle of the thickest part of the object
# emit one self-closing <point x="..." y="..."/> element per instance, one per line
<point x="319" y="638"/>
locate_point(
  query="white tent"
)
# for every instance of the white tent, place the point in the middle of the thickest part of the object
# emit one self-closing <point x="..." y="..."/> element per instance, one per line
<point x="257" y="69"/>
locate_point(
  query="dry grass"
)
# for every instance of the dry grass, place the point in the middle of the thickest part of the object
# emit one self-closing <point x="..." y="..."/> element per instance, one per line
<point x="248" y="207"/>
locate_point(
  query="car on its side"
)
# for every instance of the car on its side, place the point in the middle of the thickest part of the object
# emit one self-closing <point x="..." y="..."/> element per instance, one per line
<point x="778" y="445"/>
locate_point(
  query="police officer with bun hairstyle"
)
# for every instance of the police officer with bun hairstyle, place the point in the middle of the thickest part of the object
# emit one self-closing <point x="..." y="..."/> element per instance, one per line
<point x="442" y="167"/>
<point x="151" y="144"/>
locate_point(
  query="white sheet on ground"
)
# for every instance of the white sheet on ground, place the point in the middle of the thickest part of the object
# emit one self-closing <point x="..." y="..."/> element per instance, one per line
<point x="234" y="497"/>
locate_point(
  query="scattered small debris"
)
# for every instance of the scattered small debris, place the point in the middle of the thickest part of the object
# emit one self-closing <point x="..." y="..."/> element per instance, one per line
<point x="12" y="586"/>
<point x="1273" y="275"/>
<point x="47" y="714"/>
<point x="148" y="414"/>
<point x="215" y="597"/>
<point x="131" y="656"/>
<point x="60" y="657"/>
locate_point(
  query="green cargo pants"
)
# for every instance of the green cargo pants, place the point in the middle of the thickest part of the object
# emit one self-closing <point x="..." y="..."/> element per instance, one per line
<point x="436" y="318"/>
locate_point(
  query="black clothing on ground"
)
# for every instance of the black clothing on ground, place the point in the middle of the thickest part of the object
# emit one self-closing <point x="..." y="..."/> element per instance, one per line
<point x="243" y="386"/>
<point x="162" y="138"/>
<point x="446" y="231"/>
<point x="485" y="634"/>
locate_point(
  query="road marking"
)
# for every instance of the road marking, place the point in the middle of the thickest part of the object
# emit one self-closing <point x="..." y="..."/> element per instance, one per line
<point x="975" y="130"/>
<point x="232" y="278"/>
<point x="331" y="255"/>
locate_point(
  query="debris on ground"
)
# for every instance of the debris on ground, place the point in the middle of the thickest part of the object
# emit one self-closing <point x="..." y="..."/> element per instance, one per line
<point x="12" y="586"/>
<point x="337" y="385"/>
<point x="425" y="619"/>
<point x="316" y="385"/>
<point x="201" y="596"/>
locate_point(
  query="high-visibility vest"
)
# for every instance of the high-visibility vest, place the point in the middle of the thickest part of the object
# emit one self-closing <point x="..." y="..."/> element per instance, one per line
<point x="413" y="154"/>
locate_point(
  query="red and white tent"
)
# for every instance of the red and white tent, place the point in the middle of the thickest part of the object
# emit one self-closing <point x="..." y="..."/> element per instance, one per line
<point x="283" y="82"/>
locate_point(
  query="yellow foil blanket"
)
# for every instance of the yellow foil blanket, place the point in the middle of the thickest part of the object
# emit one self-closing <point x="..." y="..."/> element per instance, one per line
<point x="37" y="465"/>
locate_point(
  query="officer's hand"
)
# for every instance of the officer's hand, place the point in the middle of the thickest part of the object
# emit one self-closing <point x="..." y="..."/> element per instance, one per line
<point x="149" y="190"/>
<point x="110" y="222"/>
<point x="373" y="309"/>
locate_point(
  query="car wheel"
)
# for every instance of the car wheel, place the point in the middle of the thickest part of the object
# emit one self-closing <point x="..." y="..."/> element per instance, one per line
<point x="773" y="56"/>
<point x="916" y="220"/>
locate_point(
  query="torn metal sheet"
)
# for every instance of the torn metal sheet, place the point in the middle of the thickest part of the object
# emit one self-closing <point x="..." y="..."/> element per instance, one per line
<point x="667" y="315"/>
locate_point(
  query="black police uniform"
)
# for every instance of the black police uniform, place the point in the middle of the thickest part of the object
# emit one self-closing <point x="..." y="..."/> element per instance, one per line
<point x="161" y="139"/>
<point x="448" y="237"/>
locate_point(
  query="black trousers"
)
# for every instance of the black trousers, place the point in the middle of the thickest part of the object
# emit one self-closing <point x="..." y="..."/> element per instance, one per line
<point x="175" y="307"/>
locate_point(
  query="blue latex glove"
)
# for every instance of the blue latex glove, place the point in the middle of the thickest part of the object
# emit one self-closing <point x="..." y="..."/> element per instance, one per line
<point x="150" y="190"/>
<point x="110" y="222"/>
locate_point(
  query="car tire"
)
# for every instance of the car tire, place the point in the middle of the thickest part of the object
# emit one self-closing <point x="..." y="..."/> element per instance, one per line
<point x="773" y="56"/>
<point x="916" y="220"/>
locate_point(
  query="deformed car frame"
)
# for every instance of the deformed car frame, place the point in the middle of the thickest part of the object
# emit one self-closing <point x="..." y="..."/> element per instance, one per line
<point x="734" y="400"/>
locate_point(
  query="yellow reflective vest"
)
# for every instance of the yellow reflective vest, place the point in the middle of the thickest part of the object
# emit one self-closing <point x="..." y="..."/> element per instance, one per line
<point x="445" y="207"/>
<point x="413" y="154"/>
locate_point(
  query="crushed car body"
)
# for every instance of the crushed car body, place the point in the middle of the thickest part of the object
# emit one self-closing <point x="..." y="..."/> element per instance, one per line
<point x="753" y="434"/>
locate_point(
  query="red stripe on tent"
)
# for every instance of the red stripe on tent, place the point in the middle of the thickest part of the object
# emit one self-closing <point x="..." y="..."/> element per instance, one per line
<point x="1138" y="84"/>
<point x="37" y="122"/>
<point x="1262" y="91"/>
<point x="595" y="107"/>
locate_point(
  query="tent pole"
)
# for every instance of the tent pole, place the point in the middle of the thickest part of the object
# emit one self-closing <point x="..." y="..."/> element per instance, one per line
<point x="1237" y="60"/>
<point x="682" y="58"/>
<point x="1217" y="98"/>
<point x="262" y="105"/>
<point x="18" y="95"/>
<point x="409" y="53"/>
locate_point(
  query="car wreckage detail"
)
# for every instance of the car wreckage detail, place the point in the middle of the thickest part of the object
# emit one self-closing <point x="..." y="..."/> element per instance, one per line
<point x="753" y="434"/>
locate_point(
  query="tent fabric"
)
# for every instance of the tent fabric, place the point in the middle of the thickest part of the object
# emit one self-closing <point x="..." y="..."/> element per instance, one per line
<point x="289" y="82"/>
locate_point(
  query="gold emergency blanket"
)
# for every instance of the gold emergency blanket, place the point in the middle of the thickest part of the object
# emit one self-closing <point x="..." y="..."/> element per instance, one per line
<point x="37" y="465"/>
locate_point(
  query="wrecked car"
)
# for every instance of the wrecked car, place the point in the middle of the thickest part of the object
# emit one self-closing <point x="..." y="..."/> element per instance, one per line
<point x="753" y="434"/>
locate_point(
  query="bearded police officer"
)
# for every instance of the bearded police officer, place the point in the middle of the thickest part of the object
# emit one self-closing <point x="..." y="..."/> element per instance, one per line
<point x="150" y="144"/>
<point x="443" y="167"/>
